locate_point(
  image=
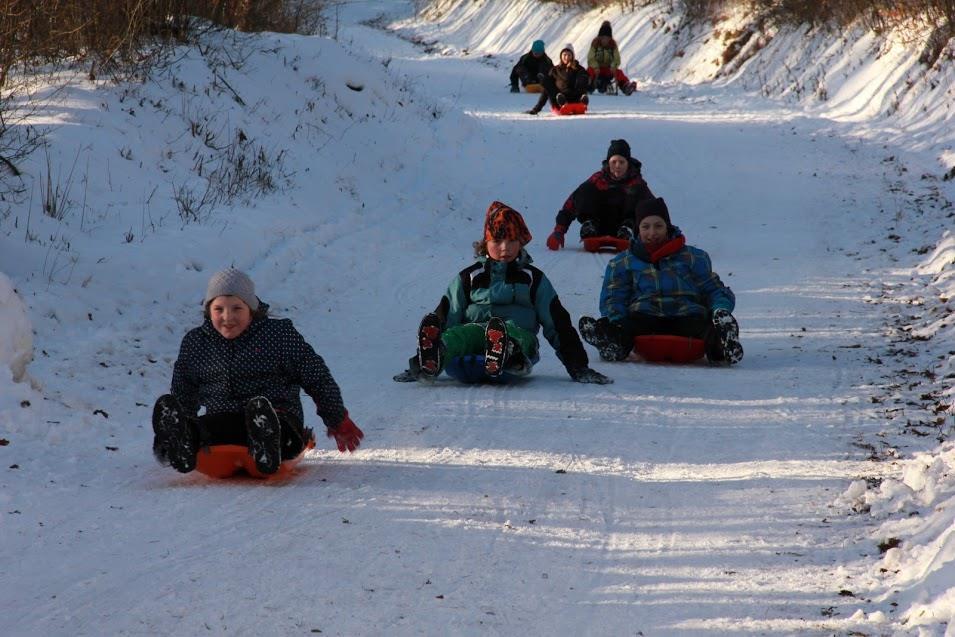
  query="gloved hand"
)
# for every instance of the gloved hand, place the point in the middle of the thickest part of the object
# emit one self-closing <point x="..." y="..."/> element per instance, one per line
<point x="556" y="239"/>
<point x="587" y="375"/>
<point x="347" y="435"/>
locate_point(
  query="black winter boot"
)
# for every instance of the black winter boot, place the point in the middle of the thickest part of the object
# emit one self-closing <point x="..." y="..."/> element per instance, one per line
<point x="588" y="229"/>
<point x="727" y="329"/>
<point x="265" y="434"/>
<point x="430" y="347"/>
<point x="605" y="336"/>
<point x="175" y="440"/>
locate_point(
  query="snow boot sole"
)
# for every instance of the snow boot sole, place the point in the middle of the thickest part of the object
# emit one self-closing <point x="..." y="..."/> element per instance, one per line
<point x="594" y="331"/>
<point x="728" y="330"/>
<point x="429" y="346"/>
<point x="495" y="347"/>
<point x="265" y="435"/>
<point x="175" y="441"/>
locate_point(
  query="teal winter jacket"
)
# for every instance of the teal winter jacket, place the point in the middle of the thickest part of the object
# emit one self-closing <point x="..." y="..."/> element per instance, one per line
<point x="517" y="291"/>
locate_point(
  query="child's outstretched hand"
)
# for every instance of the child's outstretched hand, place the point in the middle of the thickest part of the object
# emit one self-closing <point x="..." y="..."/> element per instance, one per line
<point x="347" y="435"/>
<point x="587" y="375"/>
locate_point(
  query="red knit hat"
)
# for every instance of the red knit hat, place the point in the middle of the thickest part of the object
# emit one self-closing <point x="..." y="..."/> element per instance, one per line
<point x="503" y="222"/>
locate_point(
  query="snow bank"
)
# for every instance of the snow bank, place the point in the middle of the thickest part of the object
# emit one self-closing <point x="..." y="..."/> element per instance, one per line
<point x="919" y="546"/>
<point x="16" y="333"/>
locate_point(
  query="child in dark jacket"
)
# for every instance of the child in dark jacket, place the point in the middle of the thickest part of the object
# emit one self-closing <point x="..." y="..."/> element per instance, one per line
<point x="246" y="370"/>
<point x="531" y="67"/>
<point x="663" y="286"/>
<point x="565" y="83"/>
<point x="495" y="308"/>
<point x="604" y="204"/>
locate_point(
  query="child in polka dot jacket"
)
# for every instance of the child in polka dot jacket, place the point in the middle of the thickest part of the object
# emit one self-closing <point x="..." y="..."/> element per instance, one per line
<point x="246" y="370"/>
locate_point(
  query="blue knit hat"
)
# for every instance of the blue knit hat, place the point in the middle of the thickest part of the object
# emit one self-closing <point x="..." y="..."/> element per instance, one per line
<point x="537" y="47"/>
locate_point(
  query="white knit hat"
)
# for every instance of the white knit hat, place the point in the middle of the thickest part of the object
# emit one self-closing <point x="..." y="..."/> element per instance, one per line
<point x="569" y="47"/>
<point x="232" y="282"/>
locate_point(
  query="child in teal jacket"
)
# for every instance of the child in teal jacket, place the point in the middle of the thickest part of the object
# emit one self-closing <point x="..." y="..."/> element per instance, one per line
<point x="494" y="308"/>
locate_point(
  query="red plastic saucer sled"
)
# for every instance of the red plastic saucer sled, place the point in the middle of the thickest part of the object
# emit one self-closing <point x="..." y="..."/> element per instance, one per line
<point x="225" y="461"/>
<point x="659" y="348"/>
<point x="571" y="108"/>
<point x="605" y="243"/>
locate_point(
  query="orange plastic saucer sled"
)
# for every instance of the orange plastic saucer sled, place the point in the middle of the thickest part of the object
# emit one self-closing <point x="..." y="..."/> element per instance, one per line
<point x="666" y="348"/>
<point x="605" y="243"/>
<point x="534" y="88"/>
<point x="571" y="108"/>
<point x="225" y="461"/>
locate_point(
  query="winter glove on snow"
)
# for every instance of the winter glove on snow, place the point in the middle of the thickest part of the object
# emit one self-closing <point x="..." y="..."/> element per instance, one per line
<point x="587" y="375"/>
<point x="347" y="435"/>
<point x="556" y="239"/>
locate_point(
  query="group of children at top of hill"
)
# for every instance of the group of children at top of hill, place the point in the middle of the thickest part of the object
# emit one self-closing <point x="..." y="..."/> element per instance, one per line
<point x="247" y="369"/>
<point x="567" y="81"/>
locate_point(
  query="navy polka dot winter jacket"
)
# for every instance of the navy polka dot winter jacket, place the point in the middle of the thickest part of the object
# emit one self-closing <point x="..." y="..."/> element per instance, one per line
<point x="269" y="359"/>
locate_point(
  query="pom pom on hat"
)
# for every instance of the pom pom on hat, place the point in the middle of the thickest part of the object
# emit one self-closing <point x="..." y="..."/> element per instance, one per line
<point x="232" y="282"/>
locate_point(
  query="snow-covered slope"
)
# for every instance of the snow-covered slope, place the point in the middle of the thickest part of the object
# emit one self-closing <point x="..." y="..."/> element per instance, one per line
<point x="680" y="500"/>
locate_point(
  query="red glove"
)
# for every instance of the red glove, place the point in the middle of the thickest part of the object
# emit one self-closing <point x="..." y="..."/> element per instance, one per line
<point x="556" y="239"/>
<point x="347" y="435"/>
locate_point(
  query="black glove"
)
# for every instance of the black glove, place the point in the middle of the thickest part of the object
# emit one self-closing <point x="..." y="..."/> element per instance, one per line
<point x="587" y="375"/>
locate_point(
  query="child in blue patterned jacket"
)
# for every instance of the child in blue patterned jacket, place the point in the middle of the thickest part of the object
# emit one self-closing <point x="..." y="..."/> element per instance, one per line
<point x="663" y="286"/>
<point x="247" y="370"/>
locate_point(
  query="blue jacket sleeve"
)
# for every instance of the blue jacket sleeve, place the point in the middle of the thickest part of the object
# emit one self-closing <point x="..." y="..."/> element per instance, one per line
<point x="617" y="290"/>
<point x="709" y="284"/>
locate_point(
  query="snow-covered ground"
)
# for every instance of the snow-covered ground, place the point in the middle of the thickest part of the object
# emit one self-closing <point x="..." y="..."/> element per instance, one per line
<point x="679" y="500"/>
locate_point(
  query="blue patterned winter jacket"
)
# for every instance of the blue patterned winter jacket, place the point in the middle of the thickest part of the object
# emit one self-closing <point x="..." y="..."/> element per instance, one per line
<point x="677" y="280"/>
<point x="270" y="358"/>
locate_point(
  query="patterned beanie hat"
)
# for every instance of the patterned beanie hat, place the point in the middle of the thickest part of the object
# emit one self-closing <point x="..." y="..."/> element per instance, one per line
<point x="232" y="282"/>
<point x="652" y="208"/>
<point x="503" y="222"/>
<point x="618" y="147"/>
<point x="537" y="47"/>
<point x="605" y="29"/>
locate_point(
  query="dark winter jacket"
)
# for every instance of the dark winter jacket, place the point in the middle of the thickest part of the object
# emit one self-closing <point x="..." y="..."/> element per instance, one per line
<point x="570" y="79"/>
<point x="516" y="291"/>
<point x="676" y="280"/>
<point x="608" y="202"/>
<point x="270" y="358"/>
<point x="530" y="66"/>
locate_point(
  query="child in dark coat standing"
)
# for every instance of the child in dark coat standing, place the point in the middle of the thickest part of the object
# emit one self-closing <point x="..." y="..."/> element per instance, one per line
<point x="247" y="371"/>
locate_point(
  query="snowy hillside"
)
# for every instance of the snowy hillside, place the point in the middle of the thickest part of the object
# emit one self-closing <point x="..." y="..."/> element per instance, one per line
<point x="806" y="491"/>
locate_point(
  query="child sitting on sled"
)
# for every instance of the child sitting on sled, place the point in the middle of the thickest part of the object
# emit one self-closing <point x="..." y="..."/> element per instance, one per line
<point x="246" y="370"/>
<point x="663" y="286"/>
<point x="604" y="203"/>
<point x="494" y="308"/>
<point x="603" y="63"/>
<point x="564" y="83"/>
